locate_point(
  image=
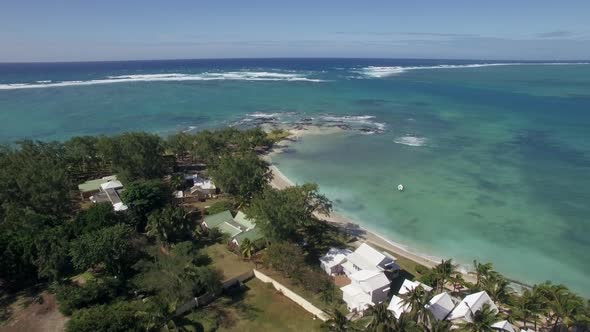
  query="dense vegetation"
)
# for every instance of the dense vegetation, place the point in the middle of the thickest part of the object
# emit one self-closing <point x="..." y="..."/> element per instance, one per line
<point x="101" y="263"/>
<point x="131" y="270"/>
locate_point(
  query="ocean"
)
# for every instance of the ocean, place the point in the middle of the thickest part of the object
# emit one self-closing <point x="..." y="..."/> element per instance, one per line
<point x="494" y="156"/>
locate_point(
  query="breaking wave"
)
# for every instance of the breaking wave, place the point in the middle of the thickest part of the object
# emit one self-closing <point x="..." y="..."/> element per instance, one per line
<point x="411" y="140"/>
<point x="207" y="76"/>
<point x="385" y="71"/>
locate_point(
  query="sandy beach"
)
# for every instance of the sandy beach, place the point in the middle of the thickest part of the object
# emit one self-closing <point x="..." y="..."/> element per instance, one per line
<point x="280" y="181"/>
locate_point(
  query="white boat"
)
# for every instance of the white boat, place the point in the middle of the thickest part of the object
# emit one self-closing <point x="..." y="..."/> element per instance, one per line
<point x="400" y="187"/>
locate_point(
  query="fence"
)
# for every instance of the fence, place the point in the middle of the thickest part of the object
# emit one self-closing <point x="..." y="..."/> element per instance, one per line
<point x="292" y="295"/>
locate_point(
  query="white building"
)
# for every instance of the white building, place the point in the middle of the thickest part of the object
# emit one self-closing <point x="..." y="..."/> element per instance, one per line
<point x="367" y="288"/>
<point x="504" y="326"/>
<point x="441" y="306"/>
<point x="110" y="192"/>
<point x="396" y="305"/>
<point x="471" y="304"/>
<point x="366" y="257"/>
<point x="332" y="261"/>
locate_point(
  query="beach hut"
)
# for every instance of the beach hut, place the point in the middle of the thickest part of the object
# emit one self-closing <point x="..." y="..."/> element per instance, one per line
<point x="504" y="326"/>
<point x="366" y="257"/>
<point x="366" y="289"/>
<point x="441" y="306"/>
<point x="470" y="305"/>
<point x="396" y="305"/>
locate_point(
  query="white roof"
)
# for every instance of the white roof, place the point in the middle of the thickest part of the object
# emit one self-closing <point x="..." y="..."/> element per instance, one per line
<point x="370" y="280"/>
<point x="397" y="307"/>
<point x="409" y="286"/>
<point x="119" y="206"/>
<point x="441" y="305"/>
<point x="115" y="184"/>
<point x="503" y="326"/>
<point x="179" y="194"/>
<point x="359" y="298"/>
<point x="470" y="304"/>
<point x="367" y="258"/>
<point x="335" y="256"/>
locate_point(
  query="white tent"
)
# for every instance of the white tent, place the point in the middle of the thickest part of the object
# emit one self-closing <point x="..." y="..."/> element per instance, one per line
<point x="471" y="304"/>
<point x="441" y="305"/>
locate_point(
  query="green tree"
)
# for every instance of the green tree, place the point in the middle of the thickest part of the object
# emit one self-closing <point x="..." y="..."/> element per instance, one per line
<point x="179" y="144"/>
<point x="337" y="322"/>
<point x="111" y="247"/>
<point x="562" y="305"/>
<point x="177" y="277"/>
<point x="241" y="175"/>
<point x="96" y="217"/>
<point x="117" y="317"/>
<point x="247" y="248"/>
<point x="169" y="225"/>
<point x="404" y="323"/>
<point x="143" y="197"/>
<point x="381" y="318"/>
<point x="34" y="175"/>
<point x="497" y="287"/>
<point x="280" y="214"/>
<point x="135" y="156"/>
<point x="481" y="320"/>
<point x="438" y="326"/>
<point x="481" y="271"/>
<point x="528" y="307"/>
<point x="53" y="259"/>
<point x="443" y="272"/>
<point x="416" y="299"/>
<point x="82" y="156"/>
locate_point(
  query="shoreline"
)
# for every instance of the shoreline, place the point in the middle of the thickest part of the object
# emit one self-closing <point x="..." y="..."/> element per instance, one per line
<point x="281" y="181"/>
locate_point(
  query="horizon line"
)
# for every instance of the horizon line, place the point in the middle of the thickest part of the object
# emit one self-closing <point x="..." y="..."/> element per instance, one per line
<point x="291" y="58"/>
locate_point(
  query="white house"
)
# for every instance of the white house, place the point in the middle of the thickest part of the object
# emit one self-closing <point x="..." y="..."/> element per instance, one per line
<point x="332" y="261"/>
<point x="366" y="257"/>
<point x="441" y="306"/>
<point x="471" y="304"/>
<point x="367" y="288"/>
<point x="396" y="305"/>
<point x="109" y="192"/>
<point x="504" y="326"/>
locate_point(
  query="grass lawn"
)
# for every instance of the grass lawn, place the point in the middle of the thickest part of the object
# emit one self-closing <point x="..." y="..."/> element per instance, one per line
<point x="226" y="261"/>
<point x="259" y="308"/>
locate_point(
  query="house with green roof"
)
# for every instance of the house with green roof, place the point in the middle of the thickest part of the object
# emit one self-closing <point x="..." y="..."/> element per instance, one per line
<point x="238" y="228"/>
<point x="91" y="187"/>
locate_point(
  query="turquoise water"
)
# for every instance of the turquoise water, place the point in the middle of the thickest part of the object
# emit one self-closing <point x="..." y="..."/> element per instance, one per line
<point x="495" y="159"/>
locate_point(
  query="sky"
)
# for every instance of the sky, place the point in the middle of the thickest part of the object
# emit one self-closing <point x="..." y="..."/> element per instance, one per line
<point x="74" y="30"/>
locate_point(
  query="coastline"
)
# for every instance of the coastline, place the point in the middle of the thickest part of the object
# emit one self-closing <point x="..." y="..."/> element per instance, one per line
<point x="281" y="181"/>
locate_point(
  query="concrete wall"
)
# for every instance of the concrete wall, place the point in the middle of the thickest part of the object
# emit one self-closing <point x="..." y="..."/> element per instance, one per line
<point x="292" y="295"/>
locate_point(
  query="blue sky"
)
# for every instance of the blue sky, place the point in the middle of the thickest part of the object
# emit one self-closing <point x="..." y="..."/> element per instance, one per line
<point x="60" y="30"/>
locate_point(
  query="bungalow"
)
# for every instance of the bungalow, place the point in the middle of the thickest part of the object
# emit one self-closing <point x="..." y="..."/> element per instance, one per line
<point x="91" y="187"/>
<point x="504" y="326"/>
<point x="332" y="261"/>
<point x="366" y="257"/>
<point x="238" y="228"/>
<point x="471" y="304"/>
<point x="441" y="306"/>
<point x="367" y="288"/>
<point x="109" y="191"/>
<point x="200" y="185"/>
<point x="397" y="306"/>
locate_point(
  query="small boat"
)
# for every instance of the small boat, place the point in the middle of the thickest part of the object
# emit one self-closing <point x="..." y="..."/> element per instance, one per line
<point x="400" y="187"/>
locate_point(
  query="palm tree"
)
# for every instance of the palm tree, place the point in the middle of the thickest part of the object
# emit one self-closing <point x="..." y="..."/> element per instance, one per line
<point x="177" y="182"/>
<point x="438" y="326"/>
<point x="381" y="318"/>
<point x="528" y="307"/>
<point x="481" y="271"/>
<point x="561" y="303"/>
<point x="247" y="248"/>
<point x="443" y="273"/>
<point x="337" y="322"/>
<point x="497" y="287"/>
<point x="481" y="320"/>
<point x="416" y="300"/>
<point x="404" y="324"/>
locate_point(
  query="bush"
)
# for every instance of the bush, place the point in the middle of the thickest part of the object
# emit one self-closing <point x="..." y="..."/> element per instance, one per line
<point x="118" y="317"/>
<point x="220" y="206"/>
<point x="98" y="291"/>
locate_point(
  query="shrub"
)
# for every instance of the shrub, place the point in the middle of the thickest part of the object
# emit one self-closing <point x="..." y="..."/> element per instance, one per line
<point x="97" y="291"/>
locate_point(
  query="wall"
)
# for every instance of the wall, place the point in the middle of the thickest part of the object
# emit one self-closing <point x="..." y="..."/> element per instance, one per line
<point x="292" y="295"/>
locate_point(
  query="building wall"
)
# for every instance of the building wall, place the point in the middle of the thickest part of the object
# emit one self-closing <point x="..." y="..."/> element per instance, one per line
<point x="292" y="295"/>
